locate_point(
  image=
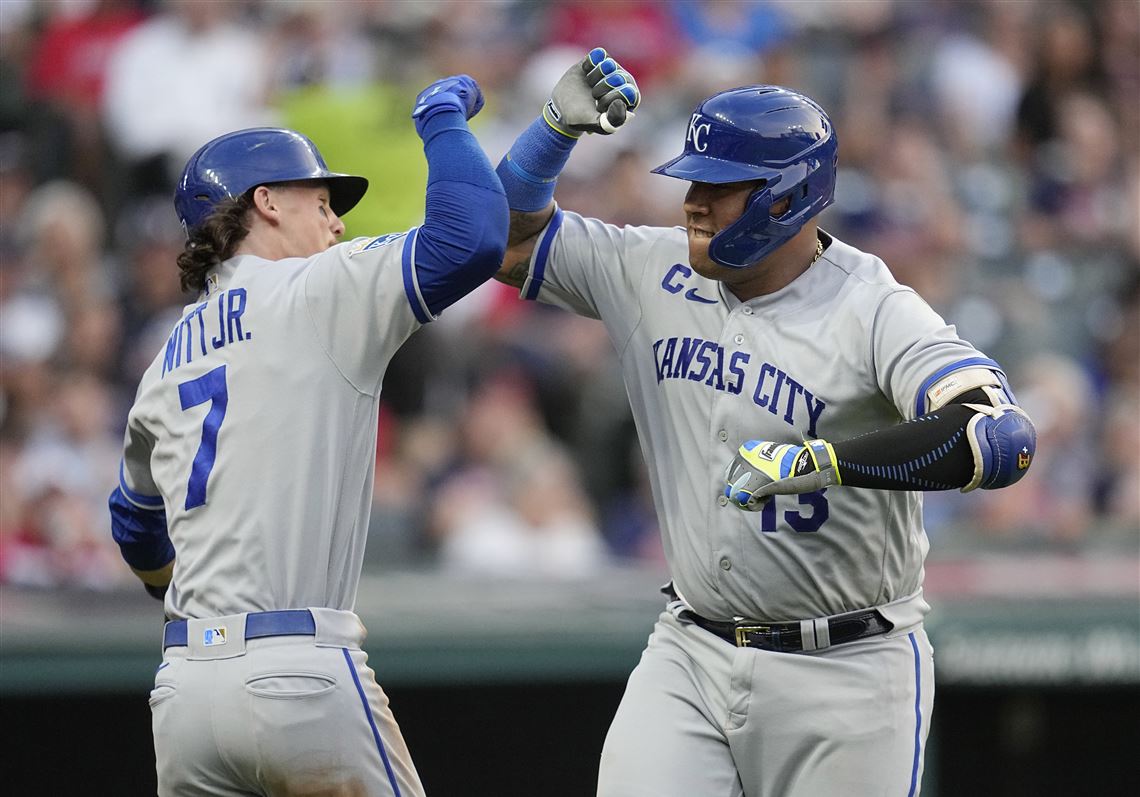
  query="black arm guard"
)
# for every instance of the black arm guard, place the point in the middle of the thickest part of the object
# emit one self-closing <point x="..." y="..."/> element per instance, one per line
<point x="931" y="452"/>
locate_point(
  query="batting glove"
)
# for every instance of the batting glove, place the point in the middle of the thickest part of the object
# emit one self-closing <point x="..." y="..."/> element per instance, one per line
<point x="762" y="469"/>
<point x="594" y="96"/>
<point x="455" y="93"/>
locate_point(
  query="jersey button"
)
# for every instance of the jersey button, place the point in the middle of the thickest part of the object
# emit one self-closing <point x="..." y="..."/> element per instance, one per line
<point x="739" y="339"/>
<point x="726" y="563"/>
<point x="722" y="501"/>
<point x="747" y="310"/>
<point x="723" y="435"/>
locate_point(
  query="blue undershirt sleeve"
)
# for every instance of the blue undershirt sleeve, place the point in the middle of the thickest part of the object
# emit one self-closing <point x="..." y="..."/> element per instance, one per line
<point x="140" y="533"/>
<point x="464" y="235"/>
<point x="530" y="169"/>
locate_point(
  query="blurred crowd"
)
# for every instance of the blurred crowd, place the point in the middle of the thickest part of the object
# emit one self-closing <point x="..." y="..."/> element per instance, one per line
<point x="989" y="153"/>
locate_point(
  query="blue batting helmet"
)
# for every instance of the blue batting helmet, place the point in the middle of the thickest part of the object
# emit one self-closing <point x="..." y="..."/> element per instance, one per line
<point x="764" y="133"/>
<point x="230" y="165"/>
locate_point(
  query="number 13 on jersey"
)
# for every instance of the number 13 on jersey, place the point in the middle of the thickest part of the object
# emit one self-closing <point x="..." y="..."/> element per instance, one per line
<point x="796" y="518"/>
<point x="211" y="387"/>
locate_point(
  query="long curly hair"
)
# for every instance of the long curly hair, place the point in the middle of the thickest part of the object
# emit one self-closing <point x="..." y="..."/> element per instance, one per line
<point x="214" y="241"/>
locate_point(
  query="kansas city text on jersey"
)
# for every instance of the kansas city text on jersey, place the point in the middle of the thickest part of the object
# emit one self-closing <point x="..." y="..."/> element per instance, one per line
<point x="699" y="360"/>
<point x="196" y="335"/>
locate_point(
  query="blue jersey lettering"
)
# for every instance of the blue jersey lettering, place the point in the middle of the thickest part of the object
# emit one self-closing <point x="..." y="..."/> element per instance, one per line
<point x="197" y="311"/>
<point x="685" y="357"/>
<point x="758" y="395"/>
<point x="794" y="388"/>
<point x="181" y="345"/>
<point x="665" y="364"/>
<point x="814" y="408"/>
<point x="699" y="360"/>
<point x="236" y="308"/>
<point x="703" y="361"/>
<point x="672" y="285"/>
<point x="219" y="340"/>
<point x="735" y="366"/>
<point x="793" y="410"/>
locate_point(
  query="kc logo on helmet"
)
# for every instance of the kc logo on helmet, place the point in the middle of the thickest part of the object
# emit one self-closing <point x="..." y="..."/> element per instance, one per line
<point x="695" y="133"/>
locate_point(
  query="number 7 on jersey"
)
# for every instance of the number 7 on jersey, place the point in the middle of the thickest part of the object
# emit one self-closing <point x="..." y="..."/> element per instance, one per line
<point x="211" y="387"/>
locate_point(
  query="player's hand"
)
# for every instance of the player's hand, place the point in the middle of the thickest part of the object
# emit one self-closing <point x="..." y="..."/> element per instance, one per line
<point x="762" y="469"/>
<point x="594" y="96"/>
<point x="458" y="92"/>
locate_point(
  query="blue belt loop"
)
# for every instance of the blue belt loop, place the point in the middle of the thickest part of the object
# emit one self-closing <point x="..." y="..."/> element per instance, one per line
<point x="290" y="622"/>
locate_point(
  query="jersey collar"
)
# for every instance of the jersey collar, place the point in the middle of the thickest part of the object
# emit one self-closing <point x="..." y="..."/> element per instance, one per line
<point x="806" y="290"/>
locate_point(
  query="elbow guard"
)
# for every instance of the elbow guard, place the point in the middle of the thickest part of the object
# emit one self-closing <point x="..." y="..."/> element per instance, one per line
<point x="1003" y="442"/>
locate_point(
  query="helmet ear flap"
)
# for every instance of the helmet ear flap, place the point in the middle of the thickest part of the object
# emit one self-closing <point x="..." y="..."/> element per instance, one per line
<point x="733" y="246"/>
<point x="758" y="233"/>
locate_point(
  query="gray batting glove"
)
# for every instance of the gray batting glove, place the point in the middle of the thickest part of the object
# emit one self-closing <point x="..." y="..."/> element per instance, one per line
<point x="594" y="96"/>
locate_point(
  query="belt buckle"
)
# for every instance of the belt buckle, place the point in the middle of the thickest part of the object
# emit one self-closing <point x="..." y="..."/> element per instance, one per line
<point x="741" y="632"/>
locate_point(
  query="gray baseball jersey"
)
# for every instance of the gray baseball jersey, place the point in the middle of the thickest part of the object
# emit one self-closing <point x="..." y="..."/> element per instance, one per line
<point x="264" y="402"/>
<point x="842" y="351"/>
<point x="263" y="405"/>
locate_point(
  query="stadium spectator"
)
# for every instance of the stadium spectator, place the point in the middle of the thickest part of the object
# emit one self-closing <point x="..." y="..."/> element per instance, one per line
<point x="1009" y="200"/>
<point x="66" y="75"/>
<point x="186" y="75"/>
<point x="513" y="506"/>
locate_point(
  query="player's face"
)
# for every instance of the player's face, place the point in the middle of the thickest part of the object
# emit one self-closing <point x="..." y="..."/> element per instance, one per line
<point x="709" y="209"/>
<point x="307" y="223"/>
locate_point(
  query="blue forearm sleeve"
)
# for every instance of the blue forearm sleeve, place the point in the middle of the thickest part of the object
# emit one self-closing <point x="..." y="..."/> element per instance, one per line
<point x="140" y="533"/>
<point x="531" y="167"/>
<point x="464" y="234"/>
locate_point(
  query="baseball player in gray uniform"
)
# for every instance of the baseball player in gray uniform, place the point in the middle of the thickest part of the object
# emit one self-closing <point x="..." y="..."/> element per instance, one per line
<point x="246" y="478"/>
<point x="791" y="657"/>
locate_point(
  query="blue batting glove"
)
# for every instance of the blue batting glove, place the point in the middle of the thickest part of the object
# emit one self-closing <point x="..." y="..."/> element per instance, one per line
<point x="610" y="82"/>
<point x="458" y="92"/>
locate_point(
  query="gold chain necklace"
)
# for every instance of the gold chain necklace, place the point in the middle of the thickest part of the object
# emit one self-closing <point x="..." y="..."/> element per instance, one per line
<point x="818" y="251"/>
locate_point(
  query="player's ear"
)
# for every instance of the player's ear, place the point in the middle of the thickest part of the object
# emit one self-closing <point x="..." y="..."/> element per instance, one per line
<point x="778" y="209"/>
<point x="264" y="203"/>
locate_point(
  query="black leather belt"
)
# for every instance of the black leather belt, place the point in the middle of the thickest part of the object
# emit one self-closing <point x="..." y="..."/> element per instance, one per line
<point x="289" y="622"/>
<point x="786" y="637"/>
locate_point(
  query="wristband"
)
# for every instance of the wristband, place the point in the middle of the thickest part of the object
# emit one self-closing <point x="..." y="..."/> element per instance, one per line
<point x="530" y="169"/>
<point x="822" y="455"/>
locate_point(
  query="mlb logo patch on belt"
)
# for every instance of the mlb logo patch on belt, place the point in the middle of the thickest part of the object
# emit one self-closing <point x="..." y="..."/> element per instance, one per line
<point x="214" y="636"/>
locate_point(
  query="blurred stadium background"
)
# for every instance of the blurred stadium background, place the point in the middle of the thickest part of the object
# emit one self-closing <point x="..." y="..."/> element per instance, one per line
<point x="989" y="152"/>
